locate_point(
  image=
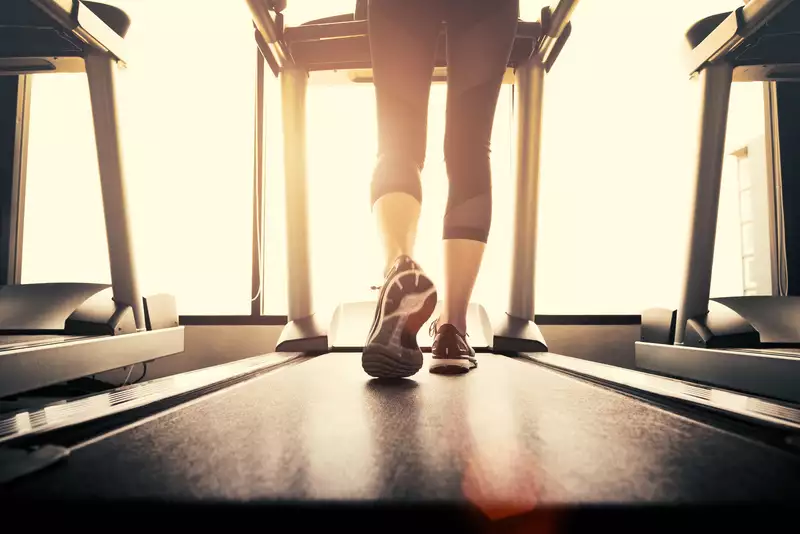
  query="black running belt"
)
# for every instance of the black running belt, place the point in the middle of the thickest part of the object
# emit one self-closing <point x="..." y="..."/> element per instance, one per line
<point x="509" y="432"/>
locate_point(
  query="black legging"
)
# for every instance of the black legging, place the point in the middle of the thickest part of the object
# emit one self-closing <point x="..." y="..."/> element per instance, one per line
<point x="403" y="38"/>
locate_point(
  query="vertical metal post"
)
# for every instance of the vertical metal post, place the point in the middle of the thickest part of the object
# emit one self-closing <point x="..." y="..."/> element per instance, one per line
<point x="715" y="82"/>
<point x="22" y="133"/>
<point x="17" y="89"/>
<point x="530" y="94"/>
<point x="294" y="83"/>
<point x="777" y="244"/>
<point x="257" y="298"/>
<point x="101" y="71"/>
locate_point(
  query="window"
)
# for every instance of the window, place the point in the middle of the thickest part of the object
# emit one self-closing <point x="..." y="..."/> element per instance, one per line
<point x="620" y="130"/>
<point x="618" y="148"/>
<point x="186" y="109"/>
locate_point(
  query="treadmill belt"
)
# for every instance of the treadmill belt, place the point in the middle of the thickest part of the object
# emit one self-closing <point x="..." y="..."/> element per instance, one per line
<point x="508" y="432"/>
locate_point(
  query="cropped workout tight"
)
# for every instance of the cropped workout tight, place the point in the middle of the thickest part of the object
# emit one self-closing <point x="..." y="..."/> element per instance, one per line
<point x="403" y="40"/>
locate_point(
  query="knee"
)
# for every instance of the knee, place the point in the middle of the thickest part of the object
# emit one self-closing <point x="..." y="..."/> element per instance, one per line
<point x="396" y="175"/>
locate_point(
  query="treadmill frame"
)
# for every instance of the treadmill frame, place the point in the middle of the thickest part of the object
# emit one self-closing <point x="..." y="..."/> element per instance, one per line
<point x="97" y="50"/>
<point x="773" y="372"/>
<point x="343" y="44"/>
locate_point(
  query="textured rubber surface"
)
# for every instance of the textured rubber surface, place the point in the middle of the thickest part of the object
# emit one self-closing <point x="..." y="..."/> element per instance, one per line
<point x="513" y="434"/>
<point x="405" y="304"/>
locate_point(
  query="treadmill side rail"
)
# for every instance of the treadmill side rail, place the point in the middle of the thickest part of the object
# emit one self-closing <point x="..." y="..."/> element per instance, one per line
<point x="29" y="368"/>
<point x="772" y="374"/>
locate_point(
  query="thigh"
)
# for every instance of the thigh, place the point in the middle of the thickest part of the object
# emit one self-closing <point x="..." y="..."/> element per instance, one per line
<point x="403" y="38"/>
<point x="480" y="36"/>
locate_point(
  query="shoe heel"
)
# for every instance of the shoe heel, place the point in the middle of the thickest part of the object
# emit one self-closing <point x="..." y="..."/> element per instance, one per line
<point x="377" y="363"/>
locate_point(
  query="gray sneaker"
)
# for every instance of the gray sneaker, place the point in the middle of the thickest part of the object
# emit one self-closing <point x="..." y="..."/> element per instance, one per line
<point x="407" y="300"/>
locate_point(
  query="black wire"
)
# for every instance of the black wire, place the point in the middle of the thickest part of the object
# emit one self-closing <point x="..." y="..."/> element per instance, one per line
<point x="144" y="373"/>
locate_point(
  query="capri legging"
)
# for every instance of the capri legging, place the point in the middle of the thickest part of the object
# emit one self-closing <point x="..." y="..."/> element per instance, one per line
<point x="403" y="39"/>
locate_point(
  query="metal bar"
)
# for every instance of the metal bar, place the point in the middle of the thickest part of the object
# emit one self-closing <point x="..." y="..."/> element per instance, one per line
<point x="263" y="20"/>
<point x="84" y="24"/>
<point x="769" y="374"/>
<point x="732" y="32"/>
<point x="26" y="369"/>
<point x="360" y="28"/>
<point x="256" y="299"/>
<point x="774" y="190"/>
<point x="20" y="170"/>
<point x="530" y="91"/>
<point x="759" y="12"/>
<point x="558" y="22"/>
<point x="294" y="83"/>
<point x="329" y="30"/>
<point x="716" y="82"/>
<point x="16" y="119"/>
<point x="100" y="69"/>
<point x="724" y="38"/>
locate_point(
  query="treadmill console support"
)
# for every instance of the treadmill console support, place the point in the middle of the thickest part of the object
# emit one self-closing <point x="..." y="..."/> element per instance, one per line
<point x="101" y="316"/>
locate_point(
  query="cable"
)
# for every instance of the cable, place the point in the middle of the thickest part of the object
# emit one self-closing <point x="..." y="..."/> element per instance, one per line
<point x="144" y="373"/>
<point x="127" y="377"/>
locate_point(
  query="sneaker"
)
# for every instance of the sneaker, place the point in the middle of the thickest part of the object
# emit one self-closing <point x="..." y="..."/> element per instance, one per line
<point x="452" y="354"/>
<point x="406" y="301"/>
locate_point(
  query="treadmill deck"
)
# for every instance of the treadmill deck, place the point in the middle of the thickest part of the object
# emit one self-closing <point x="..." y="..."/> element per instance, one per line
<point x="509" y="432"/>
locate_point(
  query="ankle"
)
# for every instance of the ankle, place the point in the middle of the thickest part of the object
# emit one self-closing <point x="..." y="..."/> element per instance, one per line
<point x="458" y="323"/>
<point x="392" y="261"/>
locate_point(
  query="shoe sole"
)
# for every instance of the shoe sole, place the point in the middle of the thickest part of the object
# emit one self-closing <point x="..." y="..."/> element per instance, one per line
<point x="448" y="366"/>
<point x="407" y="305"/>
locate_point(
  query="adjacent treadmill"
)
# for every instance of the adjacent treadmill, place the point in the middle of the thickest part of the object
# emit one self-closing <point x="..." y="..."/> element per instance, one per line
<point x="55" y="332"/>
<point x="531" y="441"/>
<point x="747" y="343"/>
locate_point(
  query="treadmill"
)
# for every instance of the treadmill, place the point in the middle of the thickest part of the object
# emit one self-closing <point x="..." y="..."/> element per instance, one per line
<point x="339" y="46"/>
<point x="530" y="442"/>
<point x="51" y="333"/>
<point x="747" y="343"/>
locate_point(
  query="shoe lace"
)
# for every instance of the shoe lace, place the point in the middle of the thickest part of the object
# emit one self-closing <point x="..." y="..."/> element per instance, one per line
<point x="434" y="329"/>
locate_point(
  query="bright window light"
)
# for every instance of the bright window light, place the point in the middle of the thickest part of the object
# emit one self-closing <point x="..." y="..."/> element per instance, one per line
<point x="186" y="110"/>
<point x="618" y="149"/>
<point x="619" y="141"/>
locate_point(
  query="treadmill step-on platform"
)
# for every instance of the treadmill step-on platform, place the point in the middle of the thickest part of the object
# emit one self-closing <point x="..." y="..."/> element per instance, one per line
<point x="747" y="343"/>
<point x="51" y="333"/>
<point x="530" y="441"/>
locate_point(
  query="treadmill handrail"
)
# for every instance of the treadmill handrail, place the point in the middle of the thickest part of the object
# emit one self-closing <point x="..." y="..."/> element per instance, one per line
<point x="269" y="34"/>
<point x="559" y="19"/>
<point x="758" y="12"/>
<point x="732" y="32"/>
<point x="76" y="17"/>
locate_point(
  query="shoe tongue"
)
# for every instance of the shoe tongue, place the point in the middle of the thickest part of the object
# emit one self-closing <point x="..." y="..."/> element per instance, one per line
<point x="448" y="326"/>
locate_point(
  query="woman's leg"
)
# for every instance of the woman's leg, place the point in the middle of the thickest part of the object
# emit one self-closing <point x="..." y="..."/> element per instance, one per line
<point x="480" y="35"/>
<point x="403" y="37"/>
